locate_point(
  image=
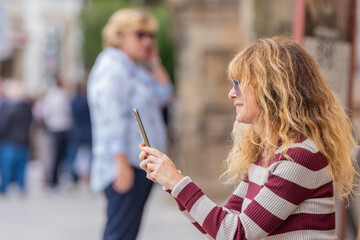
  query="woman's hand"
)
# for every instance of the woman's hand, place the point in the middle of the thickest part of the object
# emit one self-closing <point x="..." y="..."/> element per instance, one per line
<point x="152" y="54"/>
<point x="124" y="179"/>
<point x="159" y="167"/>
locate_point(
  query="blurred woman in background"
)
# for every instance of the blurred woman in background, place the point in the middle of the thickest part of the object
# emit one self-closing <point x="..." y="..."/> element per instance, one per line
<point x="117" y="84"/>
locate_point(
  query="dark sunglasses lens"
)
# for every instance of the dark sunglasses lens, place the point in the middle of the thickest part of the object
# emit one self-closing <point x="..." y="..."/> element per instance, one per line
<point x="140" y="35"/>
<point x="236" y="87"/>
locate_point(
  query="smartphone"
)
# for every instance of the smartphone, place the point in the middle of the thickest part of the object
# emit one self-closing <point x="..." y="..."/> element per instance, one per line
<point x="141" y="127"/>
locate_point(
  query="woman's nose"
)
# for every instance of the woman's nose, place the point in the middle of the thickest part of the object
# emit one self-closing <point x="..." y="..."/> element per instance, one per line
<point x="147" y="41"/>
<point x="232" y="94"/>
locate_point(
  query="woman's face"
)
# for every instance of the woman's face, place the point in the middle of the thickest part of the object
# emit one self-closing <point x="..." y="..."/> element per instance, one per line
<point x="137" y="44"/>
<point x="247" y="109"/>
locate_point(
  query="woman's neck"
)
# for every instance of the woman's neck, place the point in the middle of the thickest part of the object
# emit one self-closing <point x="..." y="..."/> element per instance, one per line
<point x="260" y="130"/>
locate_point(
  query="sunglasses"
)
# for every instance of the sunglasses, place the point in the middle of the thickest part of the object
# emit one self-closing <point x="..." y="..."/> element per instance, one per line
<point x="143" y="34"/>
<point x="236" y="87"/>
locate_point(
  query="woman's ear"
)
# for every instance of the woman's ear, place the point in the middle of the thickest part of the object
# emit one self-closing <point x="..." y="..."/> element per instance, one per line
<point x="118" y="39"/>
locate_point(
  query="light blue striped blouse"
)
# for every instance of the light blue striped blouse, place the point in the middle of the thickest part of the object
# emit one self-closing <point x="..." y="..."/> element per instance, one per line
<point x="116" y="86"/>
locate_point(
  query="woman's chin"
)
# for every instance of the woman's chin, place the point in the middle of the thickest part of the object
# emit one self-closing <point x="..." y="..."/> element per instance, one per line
<point x="242" y="119"/>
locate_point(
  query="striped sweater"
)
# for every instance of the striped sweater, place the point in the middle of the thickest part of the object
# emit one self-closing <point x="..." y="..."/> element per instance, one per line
<point x="287" y="200"/>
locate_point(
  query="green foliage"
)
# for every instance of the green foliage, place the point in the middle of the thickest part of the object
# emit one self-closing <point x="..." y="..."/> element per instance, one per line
<point x="97" y="12"/>
<point x="163" y="38"/>
<point x="94" y="17"/>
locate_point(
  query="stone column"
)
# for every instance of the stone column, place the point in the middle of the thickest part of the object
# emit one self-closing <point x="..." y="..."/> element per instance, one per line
<point x="207" y="35"/>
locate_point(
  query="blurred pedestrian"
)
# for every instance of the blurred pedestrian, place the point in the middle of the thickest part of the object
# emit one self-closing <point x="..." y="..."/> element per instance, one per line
<point x="58" y="121"/>
<point x="15" y="142"/>
<point x="118" y="83"/>
<point x="3" y="100"/>
<point x="43" y="146"/>
<point x="2" y="95"/>
<point x="81" y="142"/>
<point x="295" y="140"/>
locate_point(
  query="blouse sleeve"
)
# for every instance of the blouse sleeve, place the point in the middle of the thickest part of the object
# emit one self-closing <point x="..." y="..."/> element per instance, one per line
<point x="163" y="92"/>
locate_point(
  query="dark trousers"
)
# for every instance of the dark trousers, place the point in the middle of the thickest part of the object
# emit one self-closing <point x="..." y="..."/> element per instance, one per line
<point x="60" y="142"/>
<point x="124" y="211"/>
<point x="13" y="159"/>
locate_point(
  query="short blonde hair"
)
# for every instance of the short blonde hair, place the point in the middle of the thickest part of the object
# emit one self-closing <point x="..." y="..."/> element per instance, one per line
<point x="127" y="19"/>
<point x="295" y="100"/>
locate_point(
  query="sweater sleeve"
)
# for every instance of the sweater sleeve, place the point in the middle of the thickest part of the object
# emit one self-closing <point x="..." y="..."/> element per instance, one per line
<point x="189" y="217"/>
<point x="235" y="202"/>
<point x="289" y="184"/>
<point x="202" y="209"/>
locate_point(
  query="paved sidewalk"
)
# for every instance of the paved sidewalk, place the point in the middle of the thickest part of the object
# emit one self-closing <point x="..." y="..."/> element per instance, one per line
<point x="76" y="213"/>
<point x="163" y="221"/>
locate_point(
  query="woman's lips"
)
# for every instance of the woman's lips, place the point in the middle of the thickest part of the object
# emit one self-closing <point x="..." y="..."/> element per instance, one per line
<point x="238" y="106"/>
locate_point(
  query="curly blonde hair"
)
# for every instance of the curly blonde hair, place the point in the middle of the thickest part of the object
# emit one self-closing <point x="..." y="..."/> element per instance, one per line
<point x="294" y="100"/>
<point x="126" y="19"/>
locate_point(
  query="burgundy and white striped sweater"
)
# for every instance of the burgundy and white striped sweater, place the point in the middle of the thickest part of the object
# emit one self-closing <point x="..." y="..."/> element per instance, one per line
<point x="287" y="200"/>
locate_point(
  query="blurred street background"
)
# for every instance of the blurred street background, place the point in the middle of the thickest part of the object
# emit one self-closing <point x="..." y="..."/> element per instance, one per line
<point x="45" y="41"/>
<point x="76" y="213"/>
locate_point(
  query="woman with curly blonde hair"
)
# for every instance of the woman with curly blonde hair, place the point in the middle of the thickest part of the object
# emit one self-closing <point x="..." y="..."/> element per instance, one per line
<point x="292" y="141"/>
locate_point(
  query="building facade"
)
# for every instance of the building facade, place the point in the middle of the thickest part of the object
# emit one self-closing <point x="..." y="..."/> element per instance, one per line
<point x="40" y="40"/>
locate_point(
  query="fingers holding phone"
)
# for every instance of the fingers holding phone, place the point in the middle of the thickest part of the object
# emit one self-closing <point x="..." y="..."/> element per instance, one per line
<point x="143" y="155"/>
<point x="160" y="168"/>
